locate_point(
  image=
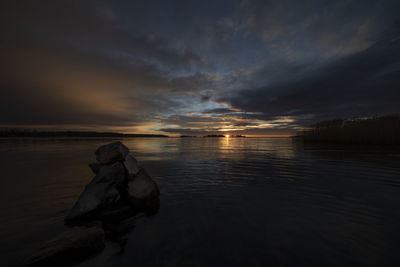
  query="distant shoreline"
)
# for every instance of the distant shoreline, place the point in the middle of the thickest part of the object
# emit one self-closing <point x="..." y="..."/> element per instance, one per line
<point x="28" y="133"/>
<point x="69" y="134"/>
<point x="383" y="130"/>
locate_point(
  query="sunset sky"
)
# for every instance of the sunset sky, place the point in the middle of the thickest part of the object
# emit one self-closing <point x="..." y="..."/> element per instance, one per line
<point x="197" y="67"/>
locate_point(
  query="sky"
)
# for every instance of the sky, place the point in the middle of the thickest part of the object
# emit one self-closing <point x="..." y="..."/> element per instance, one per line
<point x="252" y="67"/>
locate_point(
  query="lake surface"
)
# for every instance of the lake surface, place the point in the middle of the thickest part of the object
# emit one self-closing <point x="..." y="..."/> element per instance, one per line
<point x="224" y="202"/>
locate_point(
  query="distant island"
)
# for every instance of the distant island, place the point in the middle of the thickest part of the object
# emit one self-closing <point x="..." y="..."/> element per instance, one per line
<point x="371" y="130"/>
<point x="221" y="135"/>
<point x="36" y="133"/>
<point x="214" y="135"/>
<point x="185" y="136"/>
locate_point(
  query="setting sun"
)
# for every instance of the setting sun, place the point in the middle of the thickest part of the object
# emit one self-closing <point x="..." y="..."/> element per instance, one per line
<point x="227" y="136"/>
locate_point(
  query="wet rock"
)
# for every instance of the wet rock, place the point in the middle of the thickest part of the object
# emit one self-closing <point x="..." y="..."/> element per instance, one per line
<point x="115" y="230"/>
<point x="102" y="190"/>
<point x="131" y="165"/>
<point x="114" y="174"/>
<point x="111" y="195"/>
<point x="143" y="193"/>
<point x="111" y="153"/>
<point x="95" y="167"/>
<point x="91" y="200"/>
<point x="70" y="247"/>
<point x="142" y="188"/>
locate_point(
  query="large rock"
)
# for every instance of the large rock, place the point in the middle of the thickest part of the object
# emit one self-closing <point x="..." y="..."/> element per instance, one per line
<point x="131" y="165"/>
<point x="118" y="179"/>
<point x="101" y="190"/>
<point x="70" y="247"/>
<point x="91" y="200"/>
<point x="111" y="153"/>
<point x="114" y="174"/>
<point x="142" y="186"/>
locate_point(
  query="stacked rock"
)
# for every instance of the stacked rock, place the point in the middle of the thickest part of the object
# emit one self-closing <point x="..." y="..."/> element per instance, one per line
<point x="105" y="209"/>
<point x="120" y="186"/>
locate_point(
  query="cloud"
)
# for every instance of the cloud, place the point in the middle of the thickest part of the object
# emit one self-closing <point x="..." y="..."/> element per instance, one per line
<point x="365" y="83"/>
<point x="218" y="111"/>
<point x="91" y="25"/>
<point x="48" y="76"/>
<point x="310" y="30"/>
<point x="249" y="66"/>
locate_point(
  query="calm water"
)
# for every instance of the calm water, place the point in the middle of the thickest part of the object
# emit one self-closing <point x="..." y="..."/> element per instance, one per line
<point x="224" y="202"/>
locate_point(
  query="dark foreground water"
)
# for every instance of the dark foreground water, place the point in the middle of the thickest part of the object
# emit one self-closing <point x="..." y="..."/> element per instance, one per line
<point x="224" y="202"/>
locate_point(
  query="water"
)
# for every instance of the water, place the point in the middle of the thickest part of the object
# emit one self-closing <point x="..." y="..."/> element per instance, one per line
<point x="224" y="202"/>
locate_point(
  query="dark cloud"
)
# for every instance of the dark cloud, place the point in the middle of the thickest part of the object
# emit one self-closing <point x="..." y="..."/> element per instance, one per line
<point x="243" y="123"/>
<point x="246" y="66"/>
<point x="362" y="84"/>
<point x="217" y="111"/>
<point x="90" y="26"/>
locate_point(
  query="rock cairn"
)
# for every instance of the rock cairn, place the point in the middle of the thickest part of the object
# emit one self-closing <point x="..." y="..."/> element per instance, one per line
<point x="106" y="208"/>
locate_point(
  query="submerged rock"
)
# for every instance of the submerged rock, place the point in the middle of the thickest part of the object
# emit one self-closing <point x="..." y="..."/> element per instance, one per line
<point x="131" y="165"/>
<point x="117" y="212"/>
<point x="111" y="153"/>
<point x="71" y="246"/>
<point x="115" y="230"/>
